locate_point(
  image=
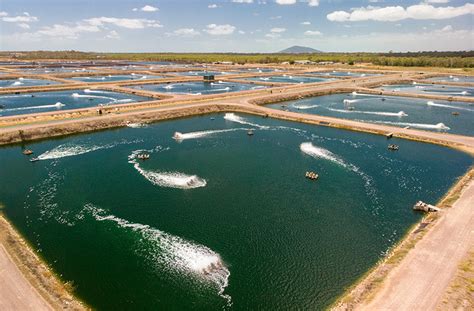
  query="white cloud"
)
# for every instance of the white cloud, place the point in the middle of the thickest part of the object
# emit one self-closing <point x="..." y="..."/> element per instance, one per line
<point x="113" y="35"/>
<point x="186" y="32"/>
<point x="212" y="6"/>
<point x="397" y="13"/>
<point x="130" y="23"/>
<point x="218" y="30"/>
<point x="25" y="18"/>
<point x="285" y="2"/>
<point x="277" y="30"/>
<point x="241" y="32"/>
<point x="242" y="1"/>
<point x="306" y="23"/>
<point x="67" y="32"/>
<point x="273" y="35"/>
<point x="447" y="28"/>
<point x="135" y="9"/>
<point x="149" y="8"/>
<point x="23" y="25"/>
<point x="313" y="2"/>
<point x="436" y="1"/>
<point x="312" y="33"/>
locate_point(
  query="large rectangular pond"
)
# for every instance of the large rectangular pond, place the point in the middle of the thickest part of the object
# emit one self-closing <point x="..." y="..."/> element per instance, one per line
<point x="213" y="220"/>
<point x="432" y="89"/>
<point x="467" y="79"/>
<point x="432" y="115"/>
<point x="25" y="82"/>
<point x="112" y="78"/>
<point x="202" y="73"/>
<point x="198" y="88"/>
<point x="25" y="103"/>
<point x="290" y="79"/>
<point x="53" y="70"/>
<point x="336" y="73"/>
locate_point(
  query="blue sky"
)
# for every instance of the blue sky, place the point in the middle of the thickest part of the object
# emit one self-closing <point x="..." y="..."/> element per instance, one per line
<point x="236" y="25"/>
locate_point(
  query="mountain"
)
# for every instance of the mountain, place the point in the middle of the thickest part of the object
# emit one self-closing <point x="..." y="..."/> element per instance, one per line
<point x="296" y="49"/>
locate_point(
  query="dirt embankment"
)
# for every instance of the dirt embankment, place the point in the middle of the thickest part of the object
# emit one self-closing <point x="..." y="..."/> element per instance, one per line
<point x="371" y="292"/>
<point x="31" y="284"/>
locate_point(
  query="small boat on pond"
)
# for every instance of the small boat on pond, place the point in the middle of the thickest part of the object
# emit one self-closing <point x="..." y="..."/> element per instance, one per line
<point x="143" y="156"/>
<point x="250" y="133"/>
<point x="27" y="152"/>
<point x="393" y="147"/>
<point x="311" y="175"/>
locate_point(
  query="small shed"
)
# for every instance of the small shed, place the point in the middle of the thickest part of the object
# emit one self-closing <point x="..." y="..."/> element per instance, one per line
<point x="209" y="78"/>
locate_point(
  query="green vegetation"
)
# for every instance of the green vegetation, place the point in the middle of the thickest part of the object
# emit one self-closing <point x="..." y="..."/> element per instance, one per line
<point x="420" y="59"/>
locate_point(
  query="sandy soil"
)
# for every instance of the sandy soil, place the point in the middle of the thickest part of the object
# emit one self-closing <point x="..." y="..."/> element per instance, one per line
<point x="420" y="281"/>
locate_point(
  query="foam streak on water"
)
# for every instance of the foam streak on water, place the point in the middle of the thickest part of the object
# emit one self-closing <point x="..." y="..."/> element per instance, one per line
<point x="200" y="134"/>
<point x="167" y="179"/>
<point x="379" y="113"/>
<point x="69" y="150"/>
<point x="304" y="107"/>
<point x="57" y="105"/>
<point x="177" y="254"/>
<point x="430" y="103"/>
<point x="235" y="118"/>
<point x="439" y="126"/>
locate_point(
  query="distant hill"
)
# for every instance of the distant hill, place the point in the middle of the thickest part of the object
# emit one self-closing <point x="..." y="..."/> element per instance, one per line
<point x="296" y="49"/>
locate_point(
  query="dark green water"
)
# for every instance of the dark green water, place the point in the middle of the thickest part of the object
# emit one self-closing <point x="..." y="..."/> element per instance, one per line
<point x="135" y="235"/>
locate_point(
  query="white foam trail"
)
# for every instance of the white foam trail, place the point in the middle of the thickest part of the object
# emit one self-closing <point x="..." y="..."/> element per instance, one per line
<point x="220" y="90"/>
<point x="169" y="87"/>
<point x="57" y="105"/>
<point x="350" y="101"/>
<point x="379" y="113"/>
<point x="439" y="126"/>
<point x="430" y="103"/>
<point x="16" y="83"/>
<point x="167" y="179"/>
<point x="321" y="153"/>
<point x="193" y="135"/>
<point x="96" y="91"/>
<point x="174" y="253"/>
<point x="304" y="107"/>
<point x="68" y="150"/>
<point x="136" y="125"/>
<point x="77" y="95"/>
<point x="235" y="118"/>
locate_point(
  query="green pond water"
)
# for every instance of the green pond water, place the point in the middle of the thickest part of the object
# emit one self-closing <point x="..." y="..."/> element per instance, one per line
<point x="217" y="219"/>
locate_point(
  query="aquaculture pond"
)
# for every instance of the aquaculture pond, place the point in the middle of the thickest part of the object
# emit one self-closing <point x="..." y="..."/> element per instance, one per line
<point x="202" y="73"/>
<point x="432" y="115"/>
<point x="112" y="78"/>
<point x="290" y="79"/>
<point x="25" y="82"/>
<point x="198" y="88"/>
<point x="347" y="74"/>
<point x="466" y="79"/>
<point x="53" y="70"/>
<point x="15" y="104"/>
<point x="216" y="218"/>
<point x="432" y="89"/>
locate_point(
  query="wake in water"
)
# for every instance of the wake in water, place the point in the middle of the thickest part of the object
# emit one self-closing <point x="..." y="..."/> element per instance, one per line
<point x="430" y="103"/>
<point x="167" y="179"/>
<point x="70" y="150"/>
<point x="174" y="253"/>
<point x="58" y="105"/>
<point x="235" y="118"/>
<point x="322" y="153"/>
<point x="439" y="126"/>
<point x="304" y="107"/>
<point x="379" y="113"/>
<point x="193" y="135"/>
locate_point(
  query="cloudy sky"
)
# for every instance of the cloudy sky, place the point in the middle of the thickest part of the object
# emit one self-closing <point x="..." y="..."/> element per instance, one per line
<point x="236" y="25"/>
